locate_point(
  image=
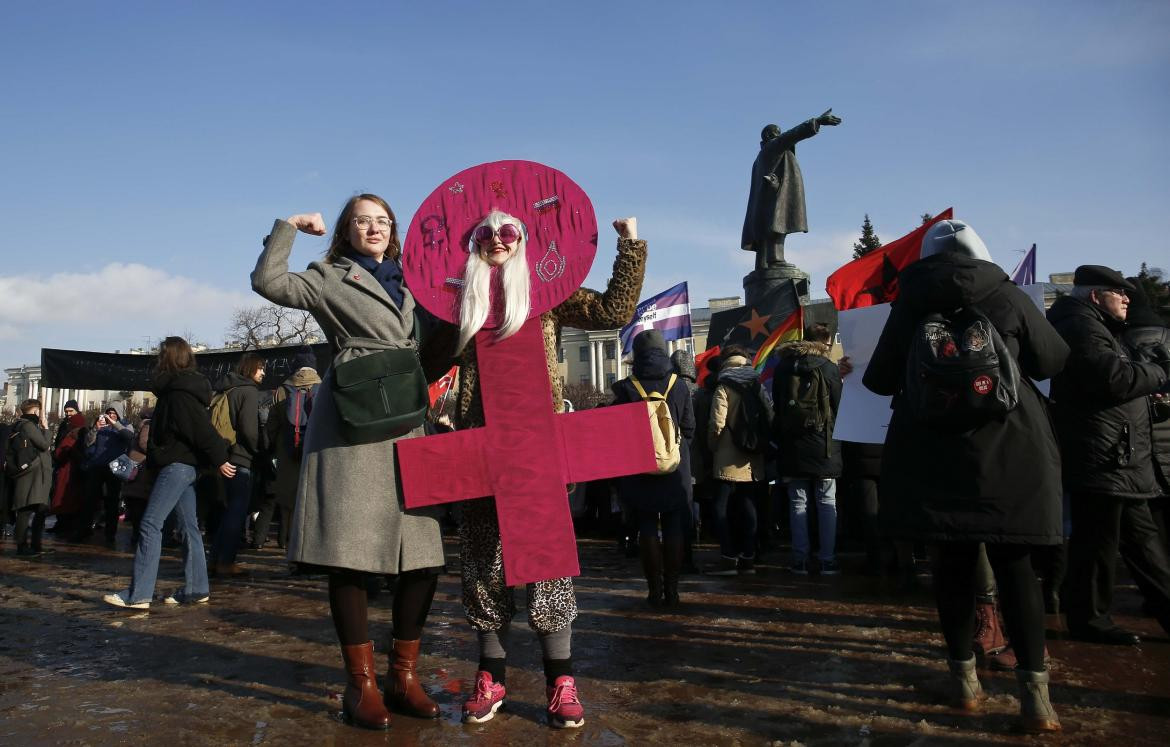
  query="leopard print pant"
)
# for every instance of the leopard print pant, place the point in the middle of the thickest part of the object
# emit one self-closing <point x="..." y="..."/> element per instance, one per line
<point x="487" y="600"/>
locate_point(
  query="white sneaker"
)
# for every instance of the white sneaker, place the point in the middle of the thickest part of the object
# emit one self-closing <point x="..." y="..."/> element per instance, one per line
<point x="180" y="597"/>
<point x="118" y="599"/>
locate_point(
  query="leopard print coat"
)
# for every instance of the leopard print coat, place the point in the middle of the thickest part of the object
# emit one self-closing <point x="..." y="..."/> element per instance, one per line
<point x="552" y="604"/>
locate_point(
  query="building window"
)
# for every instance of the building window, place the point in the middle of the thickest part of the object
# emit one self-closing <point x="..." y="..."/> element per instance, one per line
<point x="583" y="354"/>
<point x="610" y="379"/>
<point x="561" y="354"/>
<point x="610" y="350"/>
<point x="584" y="380"/>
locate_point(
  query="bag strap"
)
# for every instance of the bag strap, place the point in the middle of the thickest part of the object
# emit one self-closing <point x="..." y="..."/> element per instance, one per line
<point x="670" y="384"/>
<point x="655" y="395"/>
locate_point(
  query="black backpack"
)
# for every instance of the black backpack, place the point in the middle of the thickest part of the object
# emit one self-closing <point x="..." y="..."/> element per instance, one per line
<point x="20" y="456"/>
<point x="750" y="424"/>
<point x="803" y="404"/>
<point x="959" y="372"/>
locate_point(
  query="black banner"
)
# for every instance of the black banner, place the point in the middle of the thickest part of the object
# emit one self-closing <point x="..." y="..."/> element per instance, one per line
<point x="83" y="369"/>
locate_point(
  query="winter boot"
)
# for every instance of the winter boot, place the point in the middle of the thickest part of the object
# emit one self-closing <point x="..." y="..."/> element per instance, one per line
<point x="989" y="638"/>
<point x="1037" y="715"/>
<point x="672" y="561"/>
<point x="362" y="703"/>
<point x="1003" y="660"/>
<point x="965" y="690"/>
<point x="403" y="691"/>
<point x="651" y="551"/>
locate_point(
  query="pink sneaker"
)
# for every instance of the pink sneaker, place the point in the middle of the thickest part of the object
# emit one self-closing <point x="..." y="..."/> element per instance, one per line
<point x="485" y="701"/>
<point x="564" y="710"/>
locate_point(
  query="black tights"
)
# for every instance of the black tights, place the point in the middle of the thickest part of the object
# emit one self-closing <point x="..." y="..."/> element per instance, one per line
<point x="674" y="523"/>
<point x="1020" y="599"/>
<point x="348" y="604"/>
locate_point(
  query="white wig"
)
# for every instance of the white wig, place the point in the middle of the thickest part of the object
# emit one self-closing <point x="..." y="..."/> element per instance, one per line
<point x="475" y="302"/>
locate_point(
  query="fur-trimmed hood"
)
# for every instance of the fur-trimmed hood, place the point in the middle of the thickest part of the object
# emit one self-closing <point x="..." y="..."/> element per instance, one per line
<point x="798" y="348"/>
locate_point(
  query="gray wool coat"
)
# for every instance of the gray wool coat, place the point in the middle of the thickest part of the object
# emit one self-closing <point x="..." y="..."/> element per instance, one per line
<point x="32" y="488"/>
<point x="348" y="511"/>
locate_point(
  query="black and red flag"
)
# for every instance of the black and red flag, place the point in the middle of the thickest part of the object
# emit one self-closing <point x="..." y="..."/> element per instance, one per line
<point x="873" y="278"/>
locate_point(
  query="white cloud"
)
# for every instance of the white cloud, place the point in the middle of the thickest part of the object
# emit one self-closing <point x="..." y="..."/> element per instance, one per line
<point x="116" y="306"/>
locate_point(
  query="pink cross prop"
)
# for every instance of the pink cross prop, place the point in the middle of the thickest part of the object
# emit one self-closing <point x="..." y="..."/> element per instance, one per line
<point x="525" y="456"/>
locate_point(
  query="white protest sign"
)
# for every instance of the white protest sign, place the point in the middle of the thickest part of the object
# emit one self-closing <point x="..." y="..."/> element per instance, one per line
<point x="863" y="416"/>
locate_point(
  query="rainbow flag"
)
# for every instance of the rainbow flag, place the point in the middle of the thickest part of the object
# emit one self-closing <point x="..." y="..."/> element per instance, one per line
<point x="788" y="330"/>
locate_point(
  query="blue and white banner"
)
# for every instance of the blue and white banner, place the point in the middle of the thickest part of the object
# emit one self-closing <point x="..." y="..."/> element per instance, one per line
<point x="669" y="312"/>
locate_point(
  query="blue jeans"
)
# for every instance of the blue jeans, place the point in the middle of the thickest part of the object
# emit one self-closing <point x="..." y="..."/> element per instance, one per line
<point x="735" y="518"/>
<point x="826" y="497"/>
<point x="173" y="490"/>
<point x="231" y="524"/>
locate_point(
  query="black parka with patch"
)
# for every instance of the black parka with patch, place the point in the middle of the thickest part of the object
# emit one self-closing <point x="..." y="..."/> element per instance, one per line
<point x="999" y="482"/>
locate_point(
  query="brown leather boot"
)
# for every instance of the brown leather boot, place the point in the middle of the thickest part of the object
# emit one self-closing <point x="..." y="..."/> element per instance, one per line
<point x="362" y="704"/>
<point x="403" y="691"/>
<point x="989" y="639"/>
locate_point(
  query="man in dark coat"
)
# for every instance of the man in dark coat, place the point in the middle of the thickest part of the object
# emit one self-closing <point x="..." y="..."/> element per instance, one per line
<point x="995" y="481"/>
<point x="776" y="200"/>
<point x="1105" y="438"/>
<point x="660" y="497"/>
<point x="809" y="456"/>
<point x="1148" y="339"/>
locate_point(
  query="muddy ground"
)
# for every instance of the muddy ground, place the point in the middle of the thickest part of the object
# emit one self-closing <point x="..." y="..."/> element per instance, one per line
<point x="764" y="659"/>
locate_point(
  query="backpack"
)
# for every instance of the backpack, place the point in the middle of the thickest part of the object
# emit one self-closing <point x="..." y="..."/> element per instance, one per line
<point x="663" y="430"/>
<point x="221" y="416"/>
<point x="803" y="406"/>
<point x="299" y="404"/>
<point x="20" y="456"/>
<point x="959" y="372"/>
<point x="750" y="424"/>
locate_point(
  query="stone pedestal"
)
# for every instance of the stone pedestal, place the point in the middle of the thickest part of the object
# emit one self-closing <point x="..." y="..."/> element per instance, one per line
<point x="758" y="283"/>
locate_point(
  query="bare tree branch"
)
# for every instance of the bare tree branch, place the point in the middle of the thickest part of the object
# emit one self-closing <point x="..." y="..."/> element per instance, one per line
<point x="270" y="325"/>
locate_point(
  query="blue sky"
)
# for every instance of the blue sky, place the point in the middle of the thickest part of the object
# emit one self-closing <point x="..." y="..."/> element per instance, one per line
<point x="145" y="148"/>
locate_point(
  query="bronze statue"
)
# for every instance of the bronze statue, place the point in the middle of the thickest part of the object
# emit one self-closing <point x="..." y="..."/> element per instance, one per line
<point x="776" y="203"/>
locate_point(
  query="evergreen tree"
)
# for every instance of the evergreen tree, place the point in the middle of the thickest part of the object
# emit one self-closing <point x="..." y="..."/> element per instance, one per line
<point x="869" y="240"/>
<point x="926" y="218"/>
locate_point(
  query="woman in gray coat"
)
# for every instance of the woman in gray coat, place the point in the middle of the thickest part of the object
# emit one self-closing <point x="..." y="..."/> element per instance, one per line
<point x="30" y="489"/>
<point x="349" y="520"/>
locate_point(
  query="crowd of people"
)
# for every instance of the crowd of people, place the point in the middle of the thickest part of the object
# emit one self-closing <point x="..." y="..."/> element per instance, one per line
<point x="1005" y="499"/>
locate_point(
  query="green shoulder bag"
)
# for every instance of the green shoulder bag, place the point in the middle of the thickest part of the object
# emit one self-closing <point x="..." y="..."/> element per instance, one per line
<point x="380" y="395"/>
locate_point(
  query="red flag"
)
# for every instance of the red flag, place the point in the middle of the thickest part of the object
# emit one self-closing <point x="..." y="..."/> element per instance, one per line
<point x="440" y="387"/>
<point x="873" y="278"/>
<point x="701" y="364"/>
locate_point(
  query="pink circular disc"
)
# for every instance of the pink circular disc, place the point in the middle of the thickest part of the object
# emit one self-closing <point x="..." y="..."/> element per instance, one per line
<point x="562" y="233"/>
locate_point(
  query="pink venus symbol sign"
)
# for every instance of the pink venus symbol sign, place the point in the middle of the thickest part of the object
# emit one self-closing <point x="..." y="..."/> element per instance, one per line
<point x="526" y="454"/>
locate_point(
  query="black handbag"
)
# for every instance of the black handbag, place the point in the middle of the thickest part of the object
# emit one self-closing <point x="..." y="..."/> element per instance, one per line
<point x="380" y="395"/>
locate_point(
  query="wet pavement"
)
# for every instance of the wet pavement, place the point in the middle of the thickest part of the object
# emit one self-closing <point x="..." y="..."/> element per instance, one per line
<point x="765" y="659"/>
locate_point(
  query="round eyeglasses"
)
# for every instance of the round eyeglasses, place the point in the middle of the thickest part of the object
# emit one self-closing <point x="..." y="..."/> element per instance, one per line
<point x="508" y="234"/>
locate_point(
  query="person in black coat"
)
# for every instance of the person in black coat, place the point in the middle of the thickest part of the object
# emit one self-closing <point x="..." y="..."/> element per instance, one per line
<point x="658" y="498"/>
<point x="240" y="388"/>
<point x="181" y="441"/>
<point x="997" y="482"/>
<point x="809" y="457"/>
<point x="1148" y="339"/>
<point x="1102" y="416"/>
